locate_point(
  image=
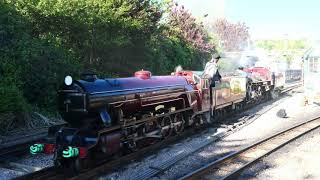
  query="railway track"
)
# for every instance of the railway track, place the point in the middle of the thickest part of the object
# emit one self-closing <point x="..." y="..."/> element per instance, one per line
<point x="15" y="147"/>
<point x="20" y="144"/>
<point x="231" y="165"/>
<point x="51" y="173"/>
<point x="19" y="147"/>
<point x="11" y="151"/>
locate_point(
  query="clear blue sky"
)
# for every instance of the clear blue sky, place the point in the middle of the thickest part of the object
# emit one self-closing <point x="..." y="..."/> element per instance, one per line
<point x="266" y="18"/>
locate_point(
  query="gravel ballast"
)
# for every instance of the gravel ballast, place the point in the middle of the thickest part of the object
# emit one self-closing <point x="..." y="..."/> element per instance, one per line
<point x="297" y="160"/>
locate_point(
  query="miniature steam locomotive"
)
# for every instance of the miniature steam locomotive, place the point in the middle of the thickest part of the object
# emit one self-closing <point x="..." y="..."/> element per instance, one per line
<point x="108" y="117"/>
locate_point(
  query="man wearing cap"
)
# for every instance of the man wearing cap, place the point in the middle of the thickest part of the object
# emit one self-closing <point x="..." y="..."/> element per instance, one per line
<point x="211" y="70"/>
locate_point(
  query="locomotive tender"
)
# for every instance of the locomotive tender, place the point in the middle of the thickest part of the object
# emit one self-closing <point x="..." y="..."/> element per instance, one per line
<point x="108" y="117"/>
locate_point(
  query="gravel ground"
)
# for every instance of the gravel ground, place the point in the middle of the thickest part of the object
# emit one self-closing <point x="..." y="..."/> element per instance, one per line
<point x="38" y="161"/>
<point x="263" y="127"/>
<point x="267" y="124"/>
<point x="297" y="160"/>
<point x="9" y="174"/>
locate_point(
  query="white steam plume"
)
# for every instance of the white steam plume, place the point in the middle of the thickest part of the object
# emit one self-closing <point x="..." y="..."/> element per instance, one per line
<point x="178" y="68"/>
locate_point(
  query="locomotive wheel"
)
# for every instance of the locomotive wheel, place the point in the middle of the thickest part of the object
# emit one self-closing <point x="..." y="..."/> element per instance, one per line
<point x="80" y="164"/>
<point x="178" y="118"/>
<point x="151" y="126"/>
<point x="218" y="114"/>
<point x="71" y="167"/>
<point x="237" y="108"/>
<point x="259" y="93"/>
<point x="166" y="126"/>
<point x="207" y="118"/>
<point x="248" y="92"/>
<point x="275" y="94"/>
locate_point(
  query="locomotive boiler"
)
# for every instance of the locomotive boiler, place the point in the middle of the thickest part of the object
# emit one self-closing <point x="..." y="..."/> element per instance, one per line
<point x="91" y="101"/>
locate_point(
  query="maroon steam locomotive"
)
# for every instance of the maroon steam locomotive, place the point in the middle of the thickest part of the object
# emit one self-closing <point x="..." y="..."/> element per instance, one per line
<point x="107" y="117"/>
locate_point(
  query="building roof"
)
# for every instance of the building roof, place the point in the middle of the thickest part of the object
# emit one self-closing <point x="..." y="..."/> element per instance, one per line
<point x="312" y="52"/>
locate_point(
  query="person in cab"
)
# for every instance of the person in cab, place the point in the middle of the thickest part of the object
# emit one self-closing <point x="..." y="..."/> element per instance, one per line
<point x="211" y="70"/>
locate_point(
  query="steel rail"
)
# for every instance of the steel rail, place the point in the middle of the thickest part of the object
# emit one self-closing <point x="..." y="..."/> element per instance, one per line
<point x="45" y="173"/>
<point x="11" y="150"/>
<point x="228" y="166"/>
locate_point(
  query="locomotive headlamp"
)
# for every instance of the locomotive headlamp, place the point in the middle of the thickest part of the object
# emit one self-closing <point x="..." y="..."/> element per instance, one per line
<point x="68" y="80"/>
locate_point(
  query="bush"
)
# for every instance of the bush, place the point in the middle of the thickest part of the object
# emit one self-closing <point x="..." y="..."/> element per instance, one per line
<point x="13" y="106"/>
<point x="31" y="68"/>
<point x="41" y="41"/>
<point x="12" y="99"/>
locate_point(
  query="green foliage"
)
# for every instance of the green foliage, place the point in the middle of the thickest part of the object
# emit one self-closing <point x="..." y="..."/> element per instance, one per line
<point x="41" y="41"/>
<point x="31" y="68"/>
<point x="286" y="49"/>
<point x="171" y="52"/>
<point x="281" y="45"/>
<point x="12" y="99"/>
<point x="105" y="35"/>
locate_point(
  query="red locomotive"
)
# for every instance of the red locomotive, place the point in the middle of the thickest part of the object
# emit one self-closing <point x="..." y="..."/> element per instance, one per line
<point x="111" y="116"/>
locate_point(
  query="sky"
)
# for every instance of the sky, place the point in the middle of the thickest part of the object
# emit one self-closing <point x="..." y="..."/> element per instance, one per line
<point x="267" y="19"/>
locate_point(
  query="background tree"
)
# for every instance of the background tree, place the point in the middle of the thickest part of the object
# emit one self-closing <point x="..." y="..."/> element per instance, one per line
<point x="185" y="26"/>
<point x="183" y="40"/>
<point x="284" y="49"/>
<point x="41" y="41"/>
<point x="232" y="37"/>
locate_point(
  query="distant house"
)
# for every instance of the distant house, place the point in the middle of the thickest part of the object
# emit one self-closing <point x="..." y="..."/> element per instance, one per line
<point x="311" y="73"/>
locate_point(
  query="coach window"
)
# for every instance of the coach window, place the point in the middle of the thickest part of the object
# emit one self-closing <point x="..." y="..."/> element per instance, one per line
<point x="313" y="64"/>
<point x="310" y="64"/>
<point x="196" y="79"/>
<point x="206" y="83"/>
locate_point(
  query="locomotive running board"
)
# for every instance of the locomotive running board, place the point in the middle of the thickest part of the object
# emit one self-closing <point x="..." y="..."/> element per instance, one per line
<point x="153" y="134"/>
